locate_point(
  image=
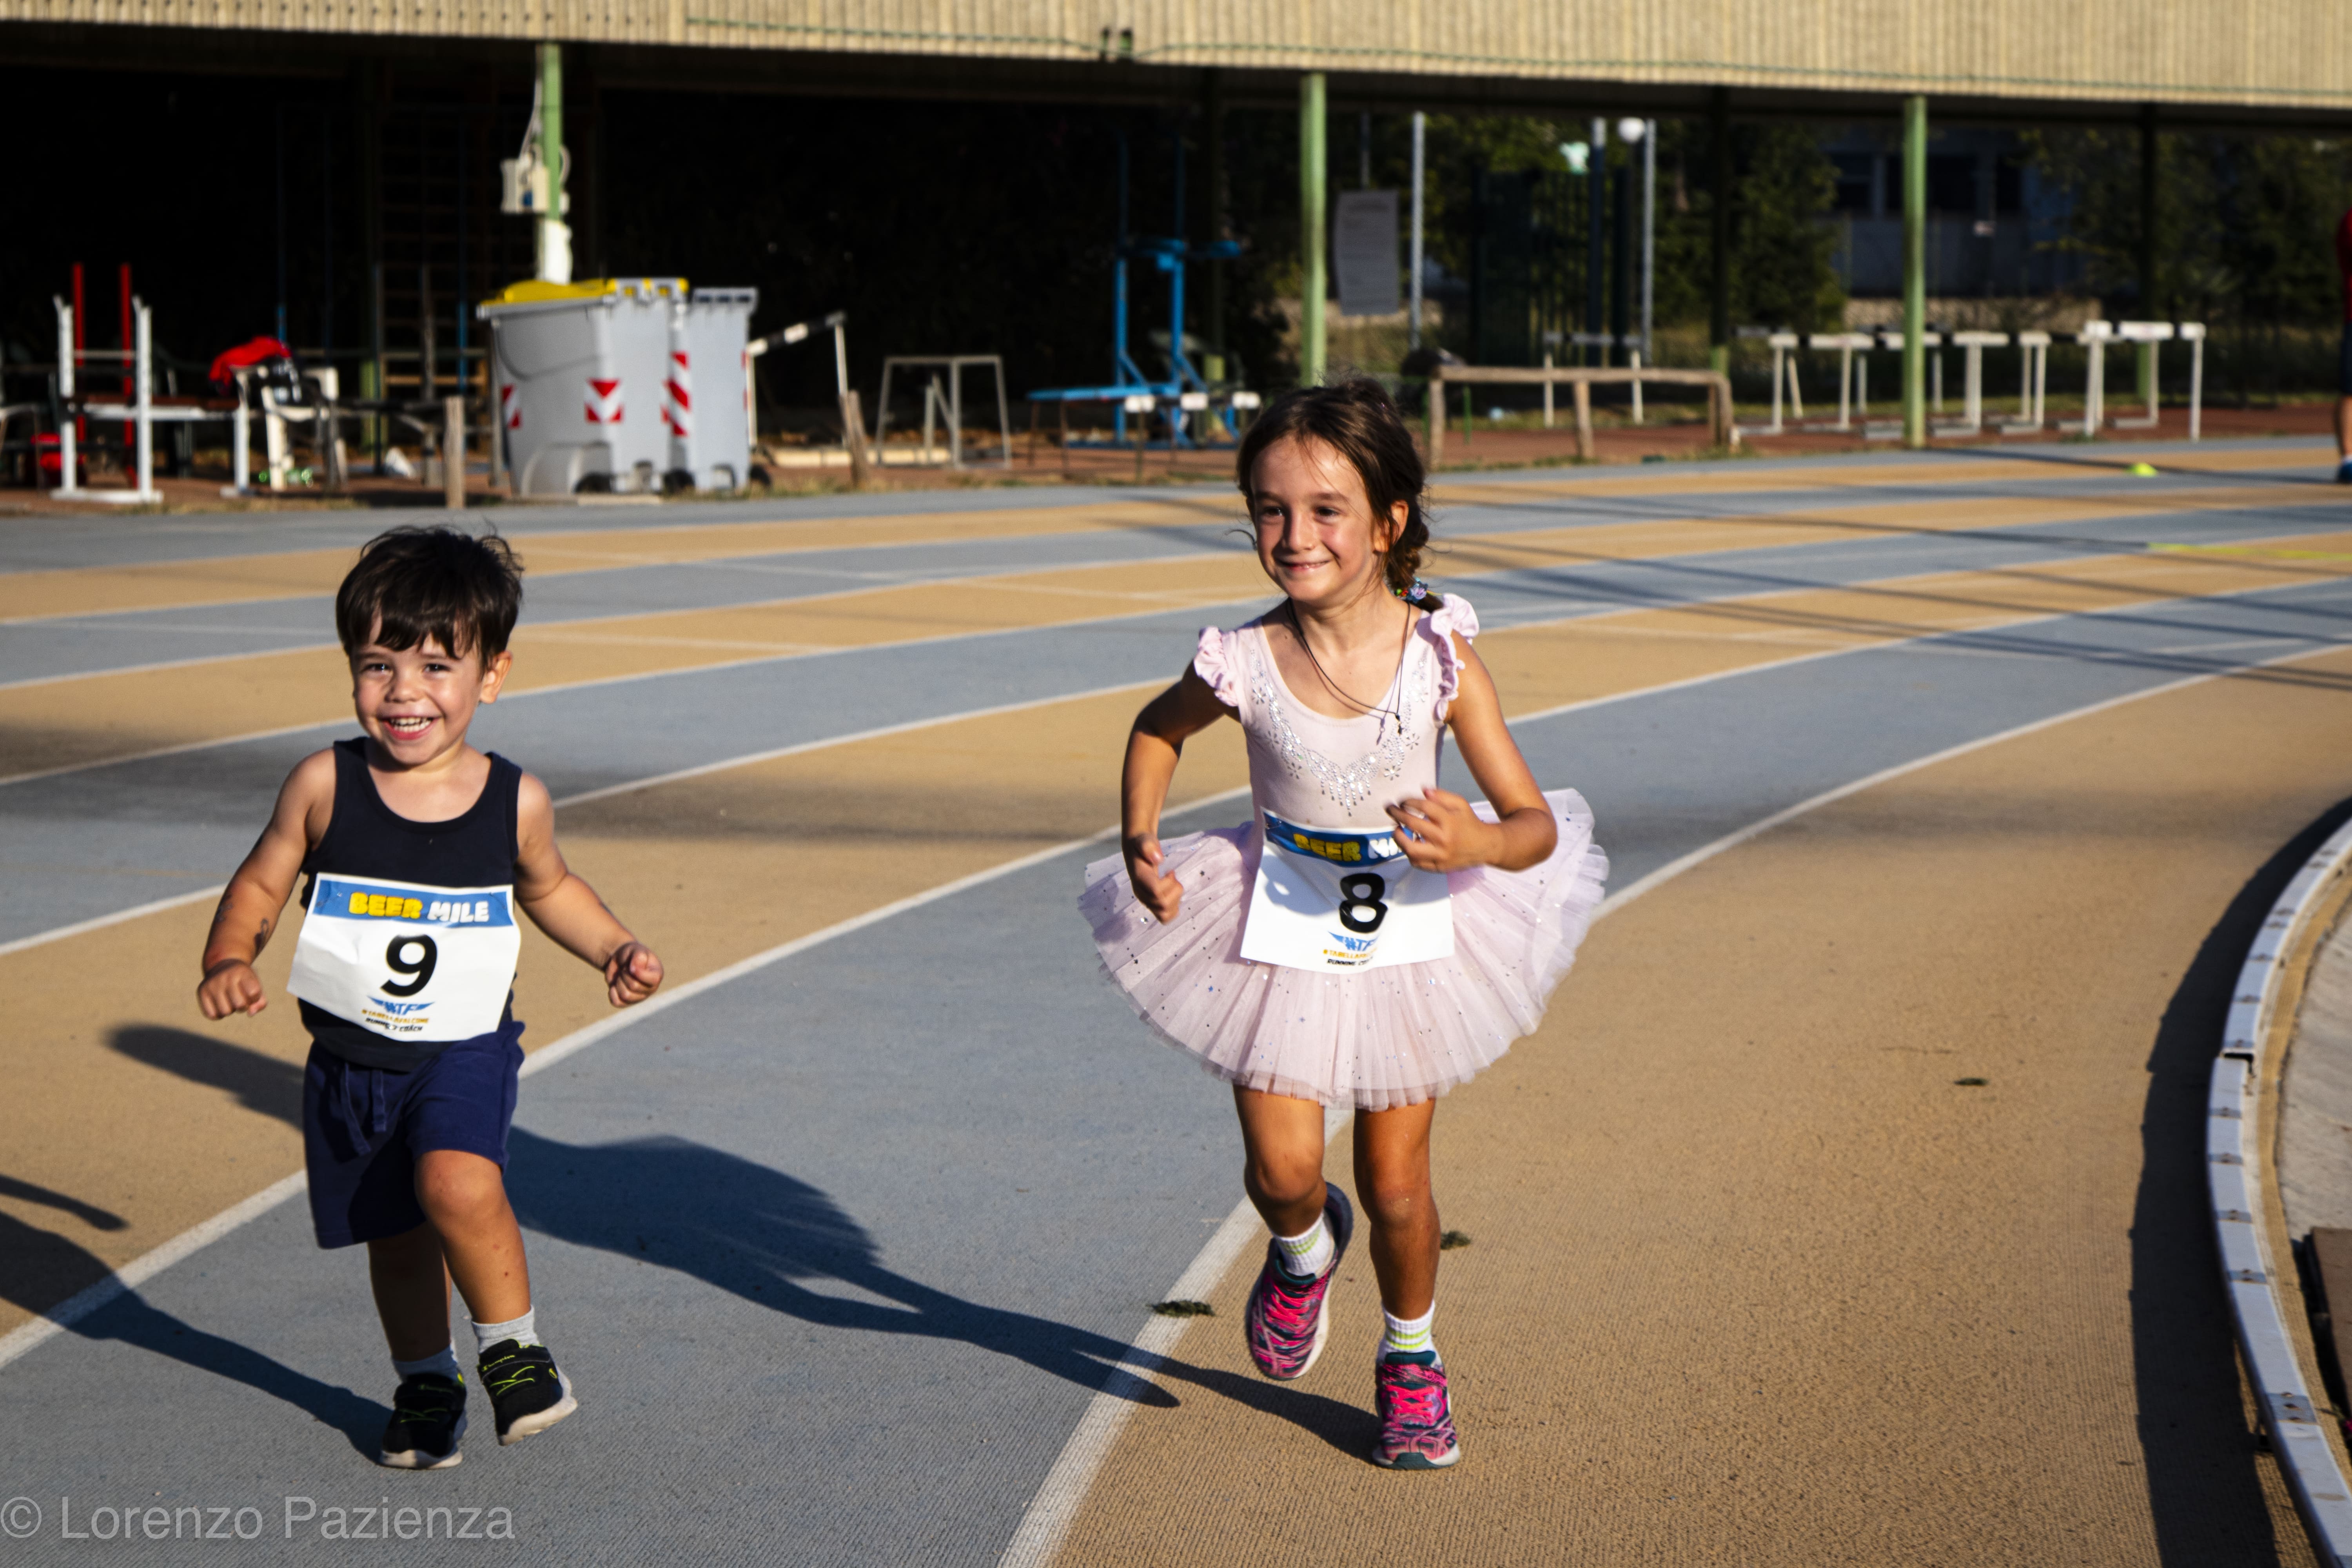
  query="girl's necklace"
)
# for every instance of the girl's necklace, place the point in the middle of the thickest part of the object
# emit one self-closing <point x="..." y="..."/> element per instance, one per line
<point x="1333" y="687"/>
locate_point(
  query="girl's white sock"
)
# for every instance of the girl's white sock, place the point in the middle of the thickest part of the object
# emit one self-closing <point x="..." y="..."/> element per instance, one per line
<point x="1405" y="1336"/>
<point x="1308" y="1254"/>
<point x="518" y="1330"/>
<point x="443" y="1361"/>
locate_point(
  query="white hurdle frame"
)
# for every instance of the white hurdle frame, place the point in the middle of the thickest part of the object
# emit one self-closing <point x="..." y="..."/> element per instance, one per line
<point x="2095" y="337"/>
<point x="2146" y="335"/>
<point x="1848" y="366"/>
<point x="140" y="411"/>
<point x="1973" y="345"/>
<point x="2032" y="385"/>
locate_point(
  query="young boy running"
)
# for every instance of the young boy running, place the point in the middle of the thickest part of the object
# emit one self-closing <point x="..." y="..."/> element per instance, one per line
<point x="419" y="849"/>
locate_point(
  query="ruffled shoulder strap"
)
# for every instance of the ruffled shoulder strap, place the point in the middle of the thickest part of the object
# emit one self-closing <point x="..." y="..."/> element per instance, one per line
<point x="1217" y="661"/>
<point x="1454" y="616"/>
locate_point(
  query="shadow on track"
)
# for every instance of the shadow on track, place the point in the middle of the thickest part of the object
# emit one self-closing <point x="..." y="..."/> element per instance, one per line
<point x="2204" y="1482"/>
<point x="40" y="1254"/>
<point x="733" y="1224"/>
<point x="759" y="1234"/>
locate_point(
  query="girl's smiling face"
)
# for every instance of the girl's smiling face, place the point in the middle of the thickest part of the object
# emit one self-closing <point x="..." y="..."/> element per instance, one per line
<point x="1316" y="537"/>
<point x="415" y="703"/>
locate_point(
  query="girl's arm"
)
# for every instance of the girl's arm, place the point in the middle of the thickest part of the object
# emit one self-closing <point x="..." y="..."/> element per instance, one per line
<point x="1166" y="721"/>
<point x="1448" y="835"/>
<point x="568" y="909"/>
<point x="251" y="905"/>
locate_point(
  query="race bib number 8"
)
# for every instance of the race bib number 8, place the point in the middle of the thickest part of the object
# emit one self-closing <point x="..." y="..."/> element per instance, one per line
<point x="409" y="963"/>
<point x="1337" y="899"/>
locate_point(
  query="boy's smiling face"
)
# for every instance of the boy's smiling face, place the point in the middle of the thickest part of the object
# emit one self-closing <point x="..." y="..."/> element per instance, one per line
<point x="415" y="703"/>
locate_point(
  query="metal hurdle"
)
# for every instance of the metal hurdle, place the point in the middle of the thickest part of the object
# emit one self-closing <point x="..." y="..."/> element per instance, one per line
<point x="2033" y="384"/>
<point x="2095" y="338"/>
<point x="139" y="412"/>
<point x="1973" y="345"/>
<point x="2146" y="335"/>
<point x="1849" y="368"/>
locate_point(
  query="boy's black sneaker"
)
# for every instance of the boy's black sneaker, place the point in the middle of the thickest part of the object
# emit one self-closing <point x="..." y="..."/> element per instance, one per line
<point x="528" y="1395"/>
<point x="428" y="1416"/>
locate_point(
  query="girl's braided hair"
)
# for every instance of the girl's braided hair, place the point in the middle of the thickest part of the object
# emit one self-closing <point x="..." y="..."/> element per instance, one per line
<point x="1357" y="420"/>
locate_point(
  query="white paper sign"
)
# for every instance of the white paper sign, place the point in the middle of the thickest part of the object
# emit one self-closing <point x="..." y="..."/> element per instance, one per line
<point x="408" y="961"/>
<point x="1364" y="253"/>
<point x="1342" y="899"/>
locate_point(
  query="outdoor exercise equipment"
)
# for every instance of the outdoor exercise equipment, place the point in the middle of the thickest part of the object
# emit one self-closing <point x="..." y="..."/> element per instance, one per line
<point x="1171" y="255"/>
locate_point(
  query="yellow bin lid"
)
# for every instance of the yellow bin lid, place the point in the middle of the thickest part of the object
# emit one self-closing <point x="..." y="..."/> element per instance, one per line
<point x="537" y="290"/>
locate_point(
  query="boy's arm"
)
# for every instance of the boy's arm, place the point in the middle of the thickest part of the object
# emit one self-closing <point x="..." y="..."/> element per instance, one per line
<point x="249" y="908"/>
<point x="568" y="908"/>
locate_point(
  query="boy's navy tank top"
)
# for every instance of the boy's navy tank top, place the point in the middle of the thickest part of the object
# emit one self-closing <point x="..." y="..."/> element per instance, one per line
<point x="366" y="837"/>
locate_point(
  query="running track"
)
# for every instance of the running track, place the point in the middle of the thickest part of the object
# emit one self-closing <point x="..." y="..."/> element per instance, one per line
<point x="848" y="1248"/>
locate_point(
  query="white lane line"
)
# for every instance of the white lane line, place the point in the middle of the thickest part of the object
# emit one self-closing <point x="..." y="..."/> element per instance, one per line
<point x="1054" y="1508"/>
<point x="681" y="670"/>
<point x="979" y="582"/>
<point x="100" y="922"/>
<point x="147" y="1265"/>
<point x="144" y="1267"/>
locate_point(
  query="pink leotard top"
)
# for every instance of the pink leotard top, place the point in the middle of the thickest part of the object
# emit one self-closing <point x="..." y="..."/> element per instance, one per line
<point x="1339" y="773"/>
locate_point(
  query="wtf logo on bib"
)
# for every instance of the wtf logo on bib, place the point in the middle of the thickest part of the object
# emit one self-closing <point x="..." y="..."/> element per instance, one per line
<point x="1337" y="899"/>
<point x="409" y="963"/>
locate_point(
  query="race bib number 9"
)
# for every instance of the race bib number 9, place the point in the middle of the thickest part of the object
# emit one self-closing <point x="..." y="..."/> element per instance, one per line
<point x="409" y="963"/>
<point x="1337" y="899"/>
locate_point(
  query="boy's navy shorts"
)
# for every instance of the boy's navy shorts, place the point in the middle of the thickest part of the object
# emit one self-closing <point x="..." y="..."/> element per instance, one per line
<point x="363" y="1128"/>
<point x="2344" y="371"/>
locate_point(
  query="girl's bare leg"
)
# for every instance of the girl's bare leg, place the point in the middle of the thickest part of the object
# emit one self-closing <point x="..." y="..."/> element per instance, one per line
<point x="1392" y="1187"/>
<point x="1282" y="1143"/>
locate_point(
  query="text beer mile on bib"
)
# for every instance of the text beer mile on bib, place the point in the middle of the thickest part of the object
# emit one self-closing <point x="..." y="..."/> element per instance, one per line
<point x="1337" y="899"/>
<point x="408" y="961"/>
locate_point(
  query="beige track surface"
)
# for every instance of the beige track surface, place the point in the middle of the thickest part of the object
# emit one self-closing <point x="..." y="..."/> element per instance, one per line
<point x="1753" y="1279"/>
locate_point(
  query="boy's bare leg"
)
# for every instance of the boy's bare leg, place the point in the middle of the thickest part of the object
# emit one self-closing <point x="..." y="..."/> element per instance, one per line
<point x="465" y="1201"/>
<point x="1282" y="1165"/>
<point x="411" y="1293"/>
<point x="2343" y="426"/>
<point x="1392" y="1185"/>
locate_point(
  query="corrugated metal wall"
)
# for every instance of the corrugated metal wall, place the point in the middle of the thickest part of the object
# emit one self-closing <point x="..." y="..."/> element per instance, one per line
<point x="2264" y="52"/>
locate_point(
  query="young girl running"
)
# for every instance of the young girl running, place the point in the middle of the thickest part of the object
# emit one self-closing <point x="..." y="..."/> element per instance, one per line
<point x="1370" y="940"/>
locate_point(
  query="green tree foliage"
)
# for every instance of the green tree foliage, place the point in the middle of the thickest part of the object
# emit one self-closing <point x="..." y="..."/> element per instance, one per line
<point x="2244" y="225"/>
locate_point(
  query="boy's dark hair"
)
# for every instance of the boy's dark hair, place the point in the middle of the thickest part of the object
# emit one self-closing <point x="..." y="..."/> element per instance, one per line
<point x="416" y="583"/>
<point x="1356" y="419"/>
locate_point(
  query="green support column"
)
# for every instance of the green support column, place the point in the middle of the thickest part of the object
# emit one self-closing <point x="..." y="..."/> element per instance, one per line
<point x="1718" y="124"/>
<point x="1214" y="115"/>
<point x="2150" y="306"/>
<point x="1313" y="224"/>
<point x="1915" y="271"/>
<point x="554" y="249"/>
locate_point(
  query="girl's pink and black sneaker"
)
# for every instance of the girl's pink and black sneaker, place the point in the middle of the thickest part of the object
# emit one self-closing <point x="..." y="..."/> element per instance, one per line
<point x="1286" y="1324"/>
<point x="525" y="1391"/>
<point x="1416" y="1417"/>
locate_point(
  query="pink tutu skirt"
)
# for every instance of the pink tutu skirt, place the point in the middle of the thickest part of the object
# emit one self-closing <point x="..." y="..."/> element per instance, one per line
<point x="1374" y="1039"/>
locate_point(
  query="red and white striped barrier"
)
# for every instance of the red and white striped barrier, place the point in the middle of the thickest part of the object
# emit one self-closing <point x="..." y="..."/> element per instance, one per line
<point x="603" y="400"/>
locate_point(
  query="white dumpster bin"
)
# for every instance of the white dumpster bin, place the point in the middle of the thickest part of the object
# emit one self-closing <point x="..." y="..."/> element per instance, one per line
<point x="579" y="370"/>
<point x="707" y="397"/>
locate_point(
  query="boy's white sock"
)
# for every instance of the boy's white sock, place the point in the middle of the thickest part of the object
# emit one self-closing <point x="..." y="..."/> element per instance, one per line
<point x="1404" y="1336"/>
<point x="1308" y="1254"/>
<point x="518" y="1330"/>
<point x="443" y="1361"/>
